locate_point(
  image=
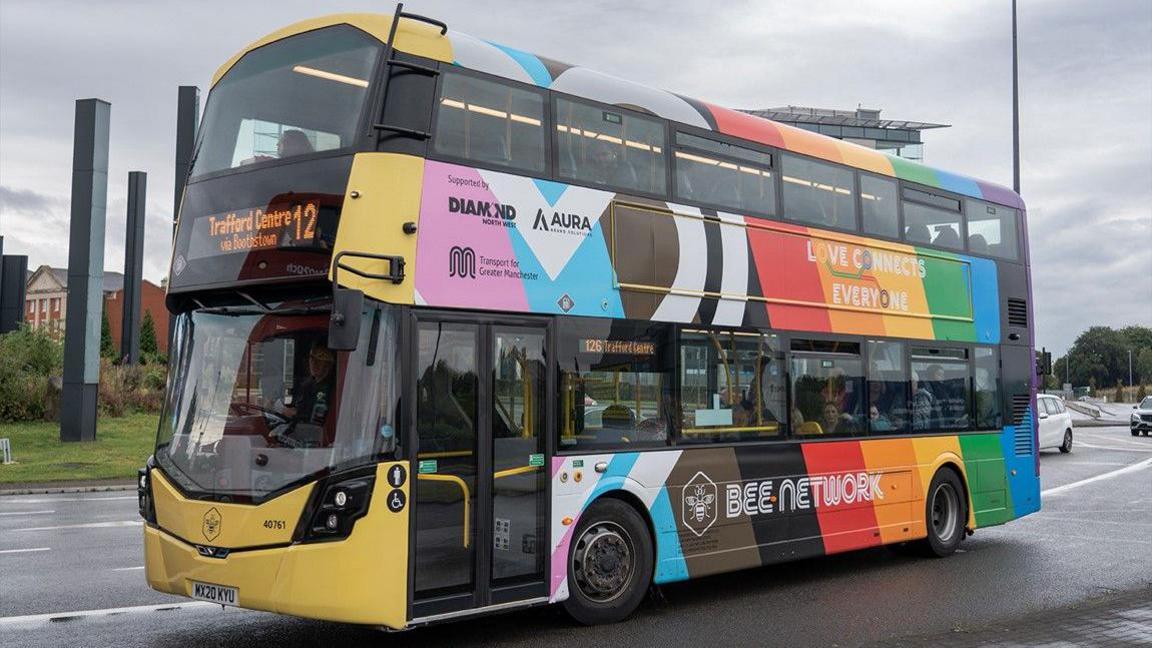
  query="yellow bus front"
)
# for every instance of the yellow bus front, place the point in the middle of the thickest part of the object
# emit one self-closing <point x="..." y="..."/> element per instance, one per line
<point x="277" y="482"/>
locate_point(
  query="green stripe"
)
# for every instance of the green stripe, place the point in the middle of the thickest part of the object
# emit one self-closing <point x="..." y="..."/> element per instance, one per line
<point x="947" y="287"/>
<point x="987" y="478"/>
<point x="912" y="172"/>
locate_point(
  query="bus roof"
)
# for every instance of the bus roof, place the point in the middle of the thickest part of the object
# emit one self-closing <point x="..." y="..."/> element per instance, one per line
<point x="422" y="39"/>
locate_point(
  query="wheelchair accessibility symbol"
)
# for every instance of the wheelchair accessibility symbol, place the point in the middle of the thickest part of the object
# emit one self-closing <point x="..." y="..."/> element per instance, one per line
<point x="396" y="500"/>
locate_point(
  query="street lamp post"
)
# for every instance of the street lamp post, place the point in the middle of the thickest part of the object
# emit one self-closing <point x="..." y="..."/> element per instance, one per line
<point x="1015" y="109"/>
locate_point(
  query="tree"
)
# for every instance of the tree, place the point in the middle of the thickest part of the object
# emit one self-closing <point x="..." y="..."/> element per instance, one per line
<point x="1099" y="357"/>
<point x="1137" y="337"/>
<point x="1142" y="366"/>
<point x="148" y="346"/>
<point x="1141" y="393"/>
<point x="107" y="348"/>
<point x="1119" y="392"/>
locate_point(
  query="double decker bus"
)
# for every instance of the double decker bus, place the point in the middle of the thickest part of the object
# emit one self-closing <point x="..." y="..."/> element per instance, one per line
<point x="461" y="329"/>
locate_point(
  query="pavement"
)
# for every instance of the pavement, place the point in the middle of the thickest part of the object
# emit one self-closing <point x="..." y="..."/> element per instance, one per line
<point x="1077" y="573"/>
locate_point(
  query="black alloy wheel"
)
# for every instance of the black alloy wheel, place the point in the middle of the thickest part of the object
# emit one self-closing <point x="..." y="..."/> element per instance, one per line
<point x="610" y="563"/>
<point x="945" y="514"/>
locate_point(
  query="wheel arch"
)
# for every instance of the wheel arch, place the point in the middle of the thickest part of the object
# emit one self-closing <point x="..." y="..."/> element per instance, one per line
<point x="954" y="463"/>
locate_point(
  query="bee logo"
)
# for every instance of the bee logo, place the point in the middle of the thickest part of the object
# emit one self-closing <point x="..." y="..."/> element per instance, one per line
<point x="212" y="523"/>
<point x="699" y="512"/>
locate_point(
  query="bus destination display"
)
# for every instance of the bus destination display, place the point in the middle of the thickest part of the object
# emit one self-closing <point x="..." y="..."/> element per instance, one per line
<point x="255" y="228"/>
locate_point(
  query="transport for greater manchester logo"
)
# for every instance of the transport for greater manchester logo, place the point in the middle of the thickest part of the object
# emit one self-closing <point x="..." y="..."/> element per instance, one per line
<point x="699" y="504"/>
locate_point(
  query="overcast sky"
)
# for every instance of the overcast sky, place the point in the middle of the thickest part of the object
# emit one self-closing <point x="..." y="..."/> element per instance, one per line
<point x="1086" y="113"/>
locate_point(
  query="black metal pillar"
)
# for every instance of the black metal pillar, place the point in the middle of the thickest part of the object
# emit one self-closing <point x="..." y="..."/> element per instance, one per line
<point x="13" y="275"/>
<point x="133" y="267"/>
<point x="85" y="271"/>
<point x="187" y="119"/>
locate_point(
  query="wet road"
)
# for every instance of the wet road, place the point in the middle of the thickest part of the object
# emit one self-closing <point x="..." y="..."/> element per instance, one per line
<point x="76" y="553"/>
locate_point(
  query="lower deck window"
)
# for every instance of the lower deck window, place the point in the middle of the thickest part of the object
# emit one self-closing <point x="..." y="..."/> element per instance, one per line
<point x="940" y="388"/>
<point x="731" y="386"/>
<point x="827" y="389"/>
<point x="614" y="380"/>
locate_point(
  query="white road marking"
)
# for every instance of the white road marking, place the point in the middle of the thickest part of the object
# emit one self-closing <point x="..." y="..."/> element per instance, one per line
<point x="60" y="616"/>
<point x="1084" y="521"/>
<point x="1063" y="537"/>
<point x="1093" y="463"/>
<point x="90" y="525"/>
<point x="128" y="568"/>
<point x="1081" y="444"/>
<point x="1141" y="465"/>
<point x="28" y="513"/>
<point x="66" y="499"/>
<point x="8" y="551"/>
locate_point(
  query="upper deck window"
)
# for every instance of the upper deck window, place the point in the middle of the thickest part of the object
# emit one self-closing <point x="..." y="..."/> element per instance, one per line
<point x="296" y="96"/>
<point x="933" y="219"/>
<point x="992" y="230"/>
<point x="878" y="201"/>
<point x="602" y="146"/>
<point x="723" y="174"/>
<point x="818" y="193"/>
<point x="490" y="123"/>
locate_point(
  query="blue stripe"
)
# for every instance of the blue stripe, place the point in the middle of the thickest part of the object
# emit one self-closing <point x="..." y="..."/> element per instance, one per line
<point x="670" y="564"/>
<point x="958" y="184"/>
<point x="985" y="301"/>
<point x="1024" y="486"/>
<point x="529" y="62"/>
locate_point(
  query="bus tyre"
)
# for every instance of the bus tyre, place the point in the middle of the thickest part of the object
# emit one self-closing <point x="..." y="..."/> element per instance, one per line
<point x="945" y="514"/>
<point x="609" y="563"/>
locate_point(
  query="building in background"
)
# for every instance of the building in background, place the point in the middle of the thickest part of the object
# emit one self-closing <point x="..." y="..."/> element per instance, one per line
<point x="861" y="126"/>
<point x="46" y="303"/>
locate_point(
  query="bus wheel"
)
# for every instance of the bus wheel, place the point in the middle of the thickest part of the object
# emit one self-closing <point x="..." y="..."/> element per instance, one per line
<point x="609" y="563"/>
<point x="946" y="512"/>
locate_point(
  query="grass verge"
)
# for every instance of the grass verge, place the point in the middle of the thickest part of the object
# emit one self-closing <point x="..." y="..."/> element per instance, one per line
<point x="122" y="445"/>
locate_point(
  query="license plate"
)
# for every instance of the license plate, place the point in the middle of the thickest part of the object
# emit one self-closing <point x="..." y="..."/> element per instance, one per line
<point x="216" y="593"/>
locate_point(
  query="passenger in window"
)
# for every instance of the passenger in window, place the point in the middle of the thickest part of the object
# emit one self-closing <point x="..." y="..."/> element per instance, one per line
<point x="918" y="233"/>
<point x="978" y="244"/>
<point x="608" y="168"/>
<point x="837" y="422"/>
<point x="926" y="398"/>
<point x="878" y="420"/>
<point x="293" y="142"/>
<point x="946" y="237"/>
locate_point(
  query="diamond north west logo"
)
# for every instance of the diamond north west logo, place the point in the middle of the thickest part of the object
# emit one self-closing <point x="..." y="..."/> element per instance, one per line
<point x="462" y="262"/>
<point x="700" y="506"/>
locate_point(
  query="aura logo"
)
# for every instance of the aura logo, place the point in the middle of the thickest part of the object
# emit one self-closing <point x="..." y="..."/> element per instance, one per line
<point x="560" y="221"/>
<point x="699" y="507"/>
<point x="462" y="262"/>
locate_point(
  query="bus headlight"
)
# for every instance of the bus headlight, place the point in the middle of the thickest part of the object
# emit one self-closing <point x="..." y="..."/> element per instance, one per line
<point x="336" y="504"/>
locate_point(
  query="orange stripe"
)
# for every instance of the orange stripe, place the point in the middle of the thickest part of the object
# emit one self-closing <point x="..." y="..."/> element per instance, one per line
<point x="809" y="143"/>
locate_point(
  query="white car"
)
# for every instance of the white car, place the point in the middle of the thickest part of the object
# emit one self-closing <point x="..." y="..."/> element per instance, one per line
<point x="1055" y="423"/>
<point x="1141" y="419"/>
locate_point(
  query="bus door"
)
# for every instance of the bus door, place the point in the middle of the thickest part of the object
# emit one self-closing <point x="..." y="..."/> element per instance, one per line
<point x="480" y="507"/>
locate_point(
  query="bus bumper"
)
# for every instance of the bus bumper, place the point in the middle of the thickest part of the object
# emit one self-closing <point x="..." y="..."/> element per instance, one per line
<point x="362" y="579"/>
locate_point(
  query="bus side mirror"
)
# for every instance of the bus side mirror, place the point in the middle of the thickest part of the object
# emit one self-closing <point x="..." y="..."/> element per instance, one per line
<point x="344" y="326"/>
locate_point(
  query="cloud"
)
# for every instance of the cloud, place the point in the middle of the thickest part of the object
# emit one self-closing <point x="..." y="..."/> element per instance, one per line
<point x="1086" y="102"/>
